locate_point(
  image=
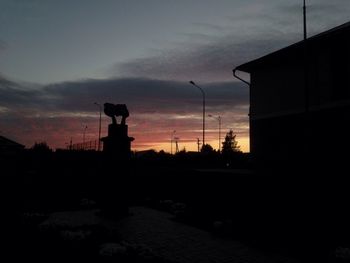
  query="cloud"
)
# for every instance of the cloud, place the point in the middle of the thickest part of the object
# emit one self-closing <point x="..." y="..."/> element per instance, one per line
<point x="254" y="29"/>
<point x="13" y="95"/>
<point x="212" y="57"/>
<point x="57" y="112"/>
<point x="142" y="95"/>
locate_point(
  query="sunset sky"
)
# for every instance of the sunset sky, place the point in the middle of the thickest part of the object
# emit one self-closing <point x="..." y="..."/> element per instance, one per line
<point x="59" y="57"/>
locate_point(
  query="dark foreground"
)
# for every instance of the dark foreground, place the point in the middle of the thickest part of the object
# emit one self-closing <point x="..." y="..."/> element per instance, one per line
<point x="83" y="207"/>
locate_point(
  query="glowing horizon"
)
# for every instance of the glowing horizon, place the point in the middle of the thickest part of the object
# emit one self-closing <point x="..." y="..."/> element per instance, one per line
<point x="190" y="146"/>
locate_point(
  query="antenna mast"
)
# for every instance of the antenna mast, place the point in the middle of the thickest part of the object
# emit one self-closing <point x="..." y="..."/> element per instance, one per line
<point x="304" y="15"/>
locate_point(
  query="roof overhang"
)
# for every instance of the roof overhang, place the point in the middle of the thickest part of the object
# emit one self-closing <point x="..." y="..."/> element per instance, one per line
<point x="292" y="52"/>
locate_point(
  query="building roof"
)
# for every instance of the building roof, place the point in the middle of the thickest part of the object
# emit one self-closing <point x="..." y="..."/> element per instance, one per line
<point x="292" y="50"/>
<point x="5" y="142"/>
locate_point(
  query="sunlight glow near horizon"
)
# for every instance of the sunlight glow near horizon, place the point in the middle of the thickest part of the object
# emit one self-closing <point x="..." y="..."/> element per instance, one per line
<point x="243" y="142"/>
<point x="147" y="142"/>
<point x="189" y="146"/>
<point x="148" y="133"/>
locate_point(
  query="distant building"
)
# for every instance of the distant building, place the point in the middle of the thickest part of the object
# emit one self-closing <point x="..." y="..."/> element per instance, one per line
<point x="300" y="99"/>
<point x="9" y="147"/>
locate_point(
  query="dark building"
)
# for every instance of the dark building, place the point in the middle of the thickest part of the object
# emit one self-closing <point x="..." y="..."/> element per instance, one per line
<point x="300" y="99"/>
<point x="9" y="147"/>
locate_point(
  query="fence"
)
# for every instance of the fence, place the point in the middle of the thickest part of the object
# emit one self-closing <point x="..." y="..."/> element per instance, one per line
<point x="86" y="146"/>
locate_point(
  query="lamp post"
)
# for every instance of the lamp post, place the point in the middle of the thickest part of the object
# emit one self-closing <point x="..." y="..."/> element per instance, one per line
<point x="99" y="126"/>
<point x="203" y="94"/>
<point x="171" y="141"/>
<point x="84" y="136"/>
<point x="219" y="119"/>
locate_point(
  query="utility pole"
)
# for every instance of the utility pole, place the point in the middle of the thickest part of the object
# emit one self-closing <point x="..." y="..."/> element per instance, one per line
<point x="171" y="141"/>
<point x="84" y="136"/>
<point x="176" y="144"/>
<point x="198" y="144"/>
<point x="219" y="119"/>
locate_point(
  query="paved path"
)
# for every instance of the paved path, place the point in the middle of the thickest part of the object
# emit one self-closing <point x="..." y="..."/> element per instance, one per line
<point x="173" y="240"/>
<point x="184" y="243"/>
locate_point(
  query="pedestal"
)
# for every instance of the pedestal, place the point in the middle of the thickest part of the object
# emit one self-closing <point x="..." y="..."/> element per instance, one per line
<point x="117" y="143"/>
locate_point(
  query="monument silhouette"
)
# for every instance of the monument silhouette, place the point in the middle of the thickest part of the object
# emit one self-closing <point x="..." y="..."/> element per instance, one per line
<point x="117" y="149"/>
<point x="117" y="143"/>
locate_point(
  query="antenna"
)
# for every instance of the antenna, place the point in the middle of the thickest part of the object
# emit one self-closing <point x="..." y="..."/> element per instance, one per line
<point x="304" y="15"/>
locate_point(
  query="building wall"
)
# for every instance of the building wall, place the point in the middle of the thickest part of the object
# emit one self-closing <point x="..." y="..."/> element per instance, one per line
<point x="276" y="91"/>
<point x="319" y="136"/>
<point x="282" y="125"/>
<point x="277" y="104"/>
<point x="329" y="70"/>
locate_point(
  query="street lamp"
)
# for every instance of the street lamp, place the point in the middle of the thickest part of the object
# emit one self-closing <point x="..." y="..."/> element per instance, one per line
<point x="219" y="119"/>
<point x="99" y="127"/>
<point x="203" y="94"/>
<point x="171" y="141"/>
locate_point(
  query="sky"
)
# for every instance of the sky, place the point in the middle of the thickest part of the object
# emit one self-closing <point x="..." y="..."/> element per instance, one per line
<point x="57" y="58"/>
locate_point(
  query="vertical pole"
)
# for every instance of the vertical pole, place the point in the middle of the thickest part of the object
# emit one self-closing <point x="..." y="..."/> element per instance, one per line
<point x="306" y="89"/>
<point x="304" y="18"/>
<point x="84" y="137"/>
<point x="219" y="134"/>
<point x="171" y="141"/>
<point x="99" y="127"/>
<point x="99" y="132"/>
<point x="203" y="117"/>
<point x="219" y="119"/>
<point x="203" y="94"/>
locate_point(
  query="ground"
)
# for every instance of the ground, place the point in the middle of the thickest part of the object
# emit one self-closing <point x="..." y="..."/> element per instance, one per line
<point x="166" y="238"/>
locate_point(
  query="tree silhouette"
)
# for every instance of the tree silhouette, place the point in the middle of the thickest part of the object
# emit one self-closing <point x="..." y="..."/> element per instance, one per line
<point x="41" y="147"/>
<point x="230" y="145"/>
<point x="207" y="149"/>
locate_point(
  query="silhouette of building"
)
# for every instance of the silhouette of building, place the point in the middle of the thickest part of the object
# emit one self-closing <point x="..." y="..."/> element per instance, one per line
<point x="9" y="147"/>
<point x="300" y="99"/>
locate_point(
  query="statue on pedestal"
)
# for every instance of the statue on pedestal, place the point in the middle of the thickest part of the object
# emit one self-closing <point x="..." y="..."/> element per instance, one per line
<point x="117" y="143"/>
<point x="117" y="147"/>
